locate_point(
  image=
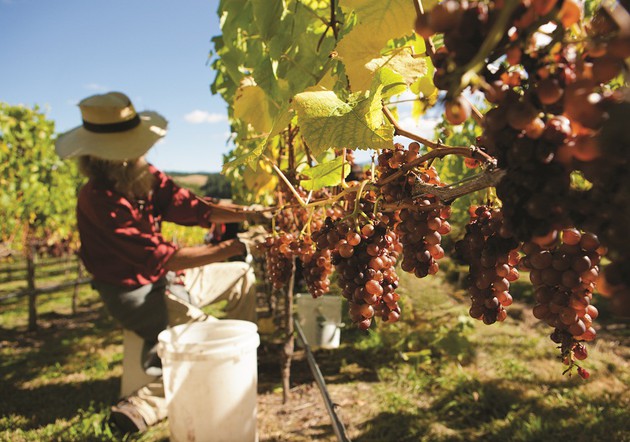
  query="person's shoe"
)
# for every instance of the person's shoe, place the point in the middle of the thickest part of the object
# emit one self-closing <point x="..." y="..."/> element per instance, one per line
<point x="126" y="418"/>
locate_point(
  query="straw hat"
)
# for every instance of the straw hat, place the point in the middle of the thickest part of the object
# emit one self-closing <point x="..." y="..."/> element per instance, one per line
<point x="111" y="129"/>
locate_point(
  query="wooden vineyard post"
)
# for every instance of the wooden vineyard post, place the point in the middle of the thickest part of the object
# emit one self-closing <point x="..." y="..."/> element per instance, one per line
<point x="75" y="293"/>
<point x="32" y="294"/>
<point x="287" y="350"/>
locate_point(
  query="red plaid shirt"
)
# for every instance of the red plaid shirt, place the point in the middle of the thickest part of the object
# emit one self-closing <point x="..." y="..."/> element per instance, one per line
<point x="121" y="240"/>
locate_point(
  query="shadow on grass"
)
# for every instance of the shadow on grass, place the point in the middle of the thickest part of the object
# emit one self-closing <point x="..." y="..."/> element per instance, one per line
<point x="44" y="405"/>
<point x="471" y="403"/>
<point x="598" y="419"/>
<point x="364" y="363"/>
<point x="471" y="410"/>
<point x="399" y="427"/>
<point x="57" y="342"/>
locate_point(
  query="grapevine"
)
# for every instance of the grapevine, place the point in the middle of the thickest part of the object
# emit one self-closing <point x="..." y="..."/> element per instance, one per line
<point x="547" y="89"/>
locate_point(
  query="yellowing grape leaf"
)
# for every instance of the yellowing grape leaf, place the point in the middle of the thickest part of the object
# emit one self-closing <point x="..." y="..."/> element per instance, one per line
<point x="401" y="61"/>
<point x="325" y="174"/>
<point x="251" y="106"/>
<point x="260" y="180"/>
<point x="327" y="122"/>
<point x="280" y="122"/>
<point x="378" y="22"/>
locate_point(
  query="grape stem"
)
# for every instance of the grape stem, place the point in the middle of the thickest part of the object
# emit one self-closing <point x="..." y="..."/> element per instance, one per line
<point x="418" y="5"/>
<point x="286" y="181"/>
<point x="620" y="15"/>
<point x="407" y="100"/>
<point x="357" y="201"/>
<point x="309" y="155"/>
<point x="343" y="183"/>
<point x="307" y="226"/>
<point x="439" y="150"/>
<point x="400" y="131"/>
<point x="476" y="113"/>
<point x="326" y="201"/>
<point x="495" y="35"/>
<point x="428" y="43"/>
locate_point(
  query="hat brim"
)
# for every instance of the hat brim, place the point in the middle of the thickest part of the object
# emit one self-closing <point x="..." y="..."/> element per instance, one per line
<point x="125" y="145"/>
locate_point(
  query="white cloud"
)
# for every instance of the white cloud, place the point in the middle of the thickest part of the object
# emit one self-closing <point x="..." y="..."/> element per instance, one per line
<point x="95" y="87"/>
<point x="199" y="117"/>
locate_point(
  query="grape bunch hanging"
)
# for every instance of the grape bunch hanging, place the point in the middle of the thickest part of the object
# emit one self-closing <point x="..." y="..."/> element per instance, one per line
<point x="554" y="121"/>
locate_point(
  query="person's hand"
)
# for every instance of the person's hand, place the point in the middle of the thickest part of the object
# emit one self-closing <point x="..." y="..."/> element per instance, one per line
<point x="252" y="238"/>
<point x="238" y="247"/>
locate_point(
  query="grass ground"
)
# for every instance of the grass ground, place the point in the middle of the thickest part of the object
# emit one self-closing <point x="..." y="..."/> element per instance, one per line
<point x="435" y="376"/>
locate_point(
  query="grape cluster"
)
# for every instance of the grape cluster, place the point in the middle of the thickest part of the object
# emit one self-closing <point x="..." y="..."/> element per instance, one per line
<point x="334" y="213"/>
<point x="364" y="254"/>
<point x="293" y="218"/>
<point x="465" y="26"/>
<point x="564" y="278"/>
<point x="279" y="252"/>
<point x="548" y="106"/>
<point x="316" y="267"/>
<point x="419" y="225"/>
<point x="604" y="209"/>
<point x="420" y="233"/>
<point x="492" y="255"/>
<point x="397" y="189"/>
<point x="535" y="190"/>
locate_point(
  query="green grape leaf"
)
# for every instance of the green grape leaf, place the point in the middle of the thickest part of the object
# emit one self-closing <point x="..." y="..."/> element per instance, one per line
<point x="267" y="14"/>
<point x="378" y="22"/>
<point x="327" y="122"/>
<point x="393" y="83"/>
<point x="326" y="174"/>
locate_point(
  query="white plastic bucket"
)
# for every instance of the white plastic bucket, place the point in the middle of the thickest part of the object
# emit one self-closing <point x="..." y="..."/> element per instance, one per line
<point x="320" y="319"/>
<point x="210" y="380"/>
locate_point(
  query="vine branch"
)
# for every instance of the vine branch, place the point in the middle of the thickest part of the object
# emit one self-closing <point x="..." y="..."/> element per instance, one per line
<point x="488" y="178"/>
<point x="440" y="152"/>
<point x="400" y="131"/>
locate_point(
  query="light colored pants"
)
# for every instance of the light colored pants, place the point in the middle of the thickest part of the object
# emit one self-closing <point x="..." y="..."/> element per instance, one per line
<point x="232" y="282"/>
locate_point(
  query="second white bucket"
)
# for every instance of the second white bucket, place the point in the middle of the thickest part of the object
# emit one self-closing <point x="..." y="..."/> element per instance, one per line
<point x="320" y="319"/>
<point x="210" y="378"/>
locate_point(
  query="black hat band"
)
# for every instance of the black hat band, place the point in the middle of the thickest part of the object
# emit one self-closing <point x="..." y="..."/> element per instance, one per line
<point x="110" y="128"/>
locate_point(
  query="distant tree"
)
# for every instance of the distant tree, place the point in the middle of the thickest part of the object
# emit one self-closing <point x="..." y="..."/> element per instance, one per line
<point x="217" y="186"/>
<point x="37" y="189"/>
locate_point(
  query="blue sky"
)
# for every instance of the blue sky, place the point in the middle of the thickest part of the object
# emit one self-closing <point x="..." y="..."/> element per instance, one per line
<point x="54" y="53"/>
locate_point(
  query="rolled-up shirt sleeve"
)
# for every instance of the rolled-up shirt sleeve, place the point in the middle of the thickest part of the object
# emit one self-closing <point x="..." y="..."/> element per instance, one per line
<point x="179" y="205"/>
